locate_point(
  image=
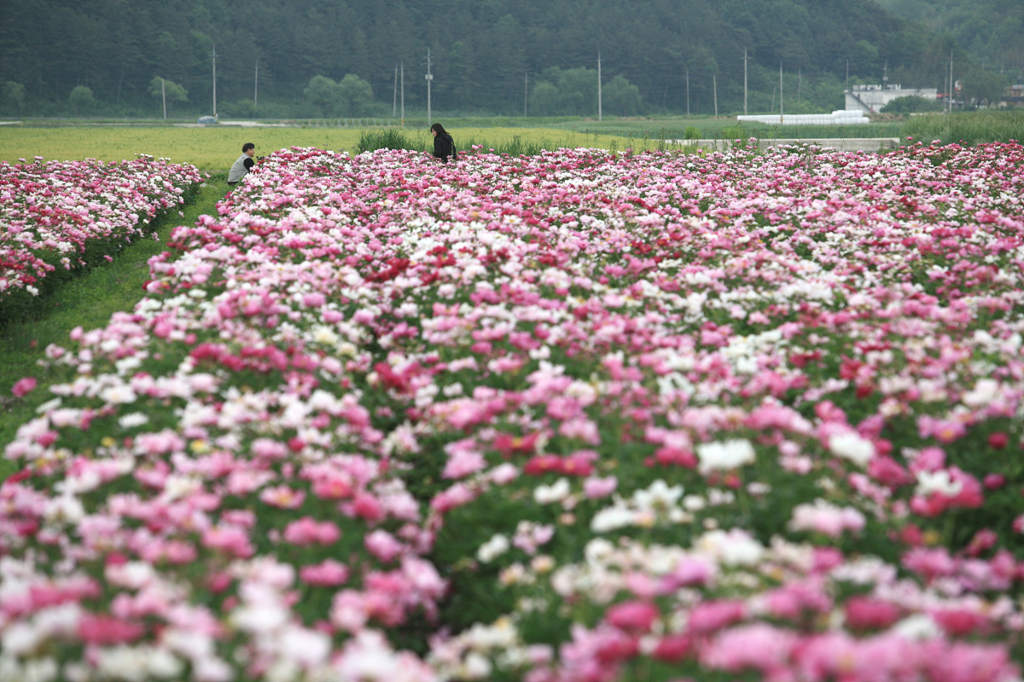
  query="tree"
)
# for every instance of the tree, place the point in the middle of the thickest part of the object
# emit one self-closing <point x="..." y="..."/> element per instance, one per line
<point x="323" y="94"/>
<point x="175" y="93"/>
<point x="577" y="90"/>
<point x="911" y="105"/>
<point x="12" y="98"/>
<point x="355" y="96"/>
<point x="620" y="97"/>
<point x="984" y="87"/>
<point x="81" y="99"/>
<point x="544" y="98"/>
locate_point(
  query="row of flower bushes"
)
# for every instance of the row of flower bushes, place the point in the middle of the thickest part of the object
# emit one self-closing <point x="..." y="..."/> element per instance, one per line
<point x="59" y="218"/>
<point x="578" y="417"/>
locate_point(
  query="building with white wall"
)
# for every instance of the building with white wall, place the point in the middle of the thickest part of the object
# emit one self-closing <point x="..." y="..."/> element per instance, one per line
<point x="871" y="98"/>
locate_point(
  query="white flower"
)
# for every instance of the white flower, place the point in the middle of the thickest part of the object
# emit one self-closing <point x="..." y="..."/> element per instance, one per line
<point x="853" y="447"/>
<point x="937" y="482"/>
<point x="984" y="392"/>
<point x="917" y="627"/>
<point x="549" y="494"/>
<point x="735" y="548"/>
<point x="612" y="518"/>
<point x="132" y="420"/>
<point x="306" y="647"/>
<point x="476" y="667"/>
<point x="658" y="498"/>
<point x="724" y="456"/>
<point x="493" y="548"/>
<point x="118" y="395"/>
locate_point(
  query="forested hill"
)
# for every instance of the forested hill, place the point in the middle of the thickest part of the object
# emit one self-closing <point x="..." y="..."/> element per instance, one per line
<point x="990" y="31"/>
<point x="486" y="55"/>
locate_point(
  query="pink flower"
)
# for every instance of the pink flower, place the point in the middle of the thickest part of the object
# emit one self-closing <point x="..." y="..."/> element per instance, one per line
<point x="314" y="300"/>
<point x="383" y="545"/>
<point x="757" y="646"/>
<point x="368" y="507"/>
<point x="308" y="531"/>
<point x="958" y="622"/>
<point x="23" y="387"/>
<point x="329" y="573"/>
<point x="283" y="497"/>
<point x="998" y="440"/>
<point x="673" y="648"/>
<point x="462" y="462"/>
<point x="595" y="488"/>
<point x="635" y="617"/>
<point x="691" y="571"/>
<point x="822" y="517"/>
<point x="229" y="539"/>
<point x="711" y="616"/>
<point x="944" y="430"/>
<point x="107" y="630"/>
<point x="930" y="563"/>
<point x="867" y="613"/>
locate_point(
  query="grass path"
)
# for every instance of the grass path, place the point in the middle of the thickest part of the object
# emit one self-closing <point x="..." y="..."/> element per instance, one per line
<point x="86" y="302"/>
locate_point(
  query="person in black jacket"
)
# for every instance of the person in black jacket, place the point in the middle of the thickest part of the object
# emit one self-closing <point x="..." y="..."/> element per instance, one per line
<point x="444" y="145"/>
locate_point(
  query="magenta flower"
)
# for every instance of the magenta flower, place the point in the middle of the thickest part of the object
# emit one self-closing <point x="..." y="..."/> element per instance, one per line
<point x="23" y="387"/>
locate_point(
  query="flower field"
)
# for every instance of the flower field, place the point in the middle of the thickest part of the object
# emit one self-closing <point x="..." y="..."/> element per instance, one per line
<point x="59" y="217"/>
<point x="579" y="417"/>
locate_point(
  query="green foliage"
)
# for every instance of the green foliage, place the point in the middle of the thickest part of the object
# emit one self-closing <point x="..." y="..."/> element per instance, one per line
<point x="910" y="105"/>
<point x="984" y="87"/>
<point x="355" y="96"/>
<point x="387" y="138"/>
<point x="479" y="58"/>
<point x="621" y="97"/>
<point x="12" y="97"/>
<point x="322" y="92"/>
<point x="174" y="92"/>
<point x="244" y="108"/>
<point x="988" y="30"/>
<point x="86" y="301"/>
<point x="544" y="98"/>
<point x="967" y="128"/>
<point x="81" y="99"/>
<point x="351" y="97"/>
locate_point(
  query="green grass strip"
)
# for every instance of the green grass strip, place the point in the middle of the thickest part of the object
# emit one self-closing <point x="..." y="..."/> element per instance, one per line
<point x="88" y="302"/>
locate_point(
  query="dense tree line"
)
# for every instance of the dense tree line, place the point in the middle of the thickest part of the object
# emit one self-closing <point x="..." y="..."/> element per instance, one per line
<point x="326" y="57"/>
<point x="990" y="31"/>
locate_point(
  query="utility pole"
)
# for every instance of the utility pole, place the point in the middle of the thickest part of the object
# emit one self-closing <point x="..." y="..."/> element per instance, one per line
<point x="215" y="80"/>
<point x="952" y="83"/>
<point x="782" y="119"/>
<point x="714" y="85"/>
<point x="847" y="74"/>
<point x="526" y="90"/>
<point x="430" y="77"/>
<point x="256" y="86"/>
<point x="163" y="92"/>
<point x="401" y="63"/>
<point x="599" y="85"/>
<point x="687" y="92"/>
<point x="799" y="79"/>
<point x="885" y="75"/>
<point x="394" y="99"/>
<point x="744" y="81"/>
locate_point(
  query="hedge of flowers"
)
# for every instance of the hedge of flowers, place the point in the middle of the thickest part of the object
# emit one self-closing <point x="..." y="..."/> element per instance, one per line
<point x="59" y="217"/>
<point x="578" y="417"/>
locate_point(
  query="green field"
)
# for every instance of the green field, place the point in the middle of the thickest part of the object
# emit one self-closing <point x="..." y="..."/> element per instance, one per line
<point x="215" y="148"/>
